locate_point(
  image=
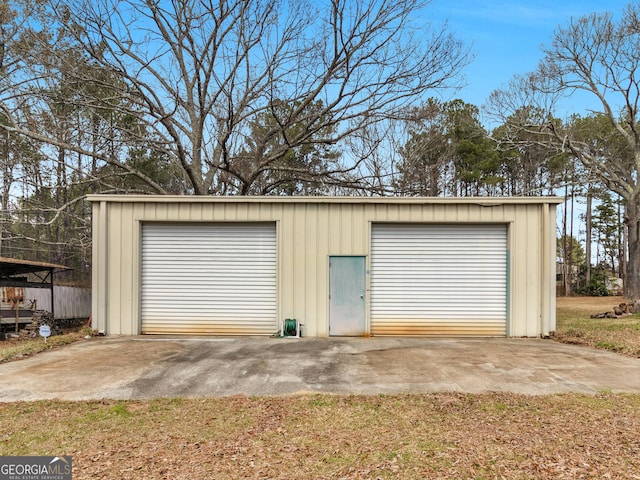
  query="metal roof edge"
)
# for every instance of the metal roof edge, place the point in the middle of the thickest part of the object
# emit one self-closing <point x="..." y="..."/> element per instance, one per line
<point x="31" y="263"/>
<point x="481" y="201"/>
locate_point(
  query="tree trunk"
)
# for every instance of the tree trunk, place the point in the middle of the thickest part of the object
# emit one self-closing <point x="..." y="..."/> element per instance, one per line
<point x="587" y="242"/>
<point x="571" y="240"/>
<point x="632" y="285"/>
<point x="620" y="240"/>
<point x="434" y="181"/>
<point x="565" y="260"/>
<point x="625" y="243"/>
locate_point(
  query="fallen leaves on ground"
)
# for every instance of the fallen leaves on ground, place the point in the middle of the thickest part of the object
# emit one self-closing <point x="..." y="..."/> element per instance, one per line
<point x="448" y="435"/>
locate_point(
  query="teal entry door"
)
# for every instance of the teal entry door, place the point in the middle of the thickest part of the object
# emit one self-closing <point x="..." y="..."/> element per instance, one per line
<point x="347" y="289"/>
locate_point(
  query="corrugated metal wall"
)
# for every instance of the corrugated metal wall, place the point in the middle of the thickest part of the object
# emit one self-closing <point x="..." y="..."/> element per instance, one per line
<point x="71" y="302"/>
<point x="308" y="231"/>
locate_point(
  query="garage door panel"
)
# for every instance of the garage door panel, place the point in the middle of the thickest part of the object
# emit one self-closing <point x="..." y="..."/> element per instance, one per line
<point x="215" y="279"/>
<point x="184" y="309"/>
<point x="438" y="279"/>
<point x="206" y="329"/>
<point x="444" y="329"/>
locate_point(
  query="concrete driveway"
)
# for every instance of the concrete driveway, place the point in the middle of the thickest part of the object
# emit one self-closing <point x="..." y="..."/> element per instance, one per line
<point x="150" y="367"/>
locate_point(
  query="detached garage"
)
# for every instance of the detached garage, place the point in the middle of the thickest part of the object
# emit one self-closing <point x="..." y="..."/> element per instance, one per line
<point x="353" y="266"/>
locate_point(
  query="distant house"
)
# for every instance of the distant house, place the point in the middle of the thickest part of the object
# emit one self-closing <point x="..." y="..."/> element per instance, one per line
<point x="353" y="266"/>
<point x="615" y="285"/>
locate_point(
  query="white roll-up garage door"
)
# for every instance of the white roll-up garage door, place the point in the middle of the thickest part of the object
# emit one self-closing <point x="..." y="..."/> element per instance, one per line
<point x="212" y="279"/>
<point x="443" y="279"/>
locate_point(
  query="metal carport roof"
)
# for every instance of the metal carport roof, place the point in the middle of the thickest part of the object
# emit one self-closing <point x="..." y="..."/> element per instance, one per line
<point x="13" y="266"/>
<point x="42" y="271"/>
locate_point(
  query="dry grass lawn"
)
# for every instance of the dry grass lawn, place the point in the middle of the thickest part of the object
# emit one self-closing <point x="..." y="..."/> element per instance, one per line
<point x="437" y="436"/>
<point x="18" y="348"/>
<point x="574" y="325"/>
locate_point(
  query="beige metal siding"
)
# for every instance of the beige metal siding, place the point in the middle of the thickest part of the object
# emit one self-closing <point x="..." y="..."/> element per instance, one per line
<point x="309" y="230"/>
<point x="439" y="279"/>
<point x="209" y="278"/>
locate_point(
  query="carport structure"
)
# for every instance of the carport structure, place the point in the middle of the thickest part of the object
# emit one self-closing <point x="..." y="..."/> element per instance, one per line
<point x="342" y="266"/>
<point x="16" y="275"/>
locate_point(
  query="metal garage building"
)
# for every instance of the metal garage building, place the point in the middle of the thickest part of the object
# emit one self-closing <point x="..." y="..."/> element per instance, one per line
<point x="349" y="266"/>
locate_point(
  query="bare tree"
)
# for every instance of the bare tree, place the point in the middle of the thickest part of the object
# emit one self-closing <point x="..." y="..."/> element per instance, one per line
<point x="598" y="56"/>
<point x="43" y="183"/>
<point x="200" y="73"/>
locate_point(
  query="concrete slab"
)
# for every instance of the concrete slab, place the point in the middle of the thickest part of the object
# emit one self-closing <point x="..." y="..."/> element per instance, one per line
<point x="151" y="367"/>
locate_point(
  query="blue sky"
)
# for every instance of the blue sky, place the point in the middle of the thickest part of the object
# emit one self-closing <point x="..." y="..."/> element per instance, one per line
<point x="507" y="36"/>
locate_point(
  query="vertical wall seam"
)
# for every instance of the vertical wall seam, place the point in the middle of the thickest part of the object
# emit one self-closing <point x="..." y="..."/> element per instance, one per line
<point x="103" y="268"/>
<point x="544" y="307"/>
